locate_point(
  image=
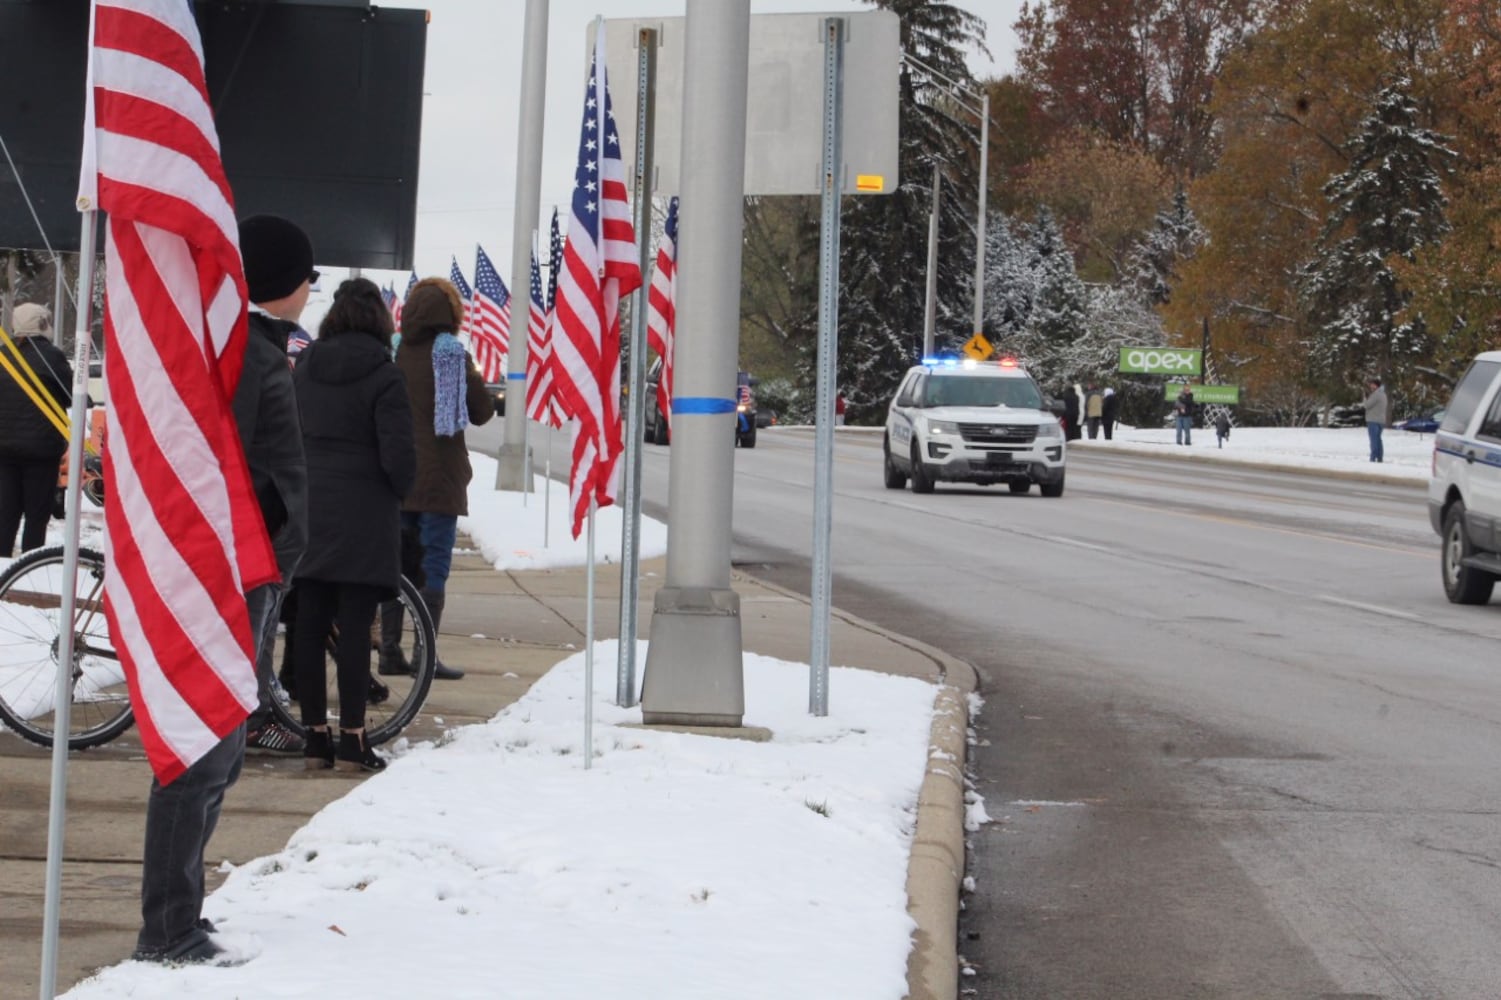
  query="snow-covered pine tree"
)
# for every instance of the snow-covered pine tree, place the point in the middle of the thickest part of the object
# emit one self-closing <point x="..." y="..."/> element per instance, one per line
<point x="1174" y="237"/>
<point x="1387" y="203"/>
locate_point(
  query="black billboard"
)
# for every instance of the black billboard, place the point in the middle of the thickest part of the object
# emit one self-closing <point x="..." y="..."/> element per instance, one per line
<point x="318" y="106"/>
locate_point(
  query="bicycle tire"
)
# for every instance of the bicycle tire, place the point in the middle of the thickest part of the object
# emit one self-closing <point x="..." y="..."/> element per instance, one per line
<point x="30" y="637"/>
<point x="408" y="692"/>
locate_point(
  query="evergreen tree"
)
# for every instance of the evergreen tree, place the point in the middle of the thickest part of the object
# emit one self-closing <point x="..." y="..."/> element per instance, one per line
<point x="1010" y="282"/>
<point x="1057" y="317"/>
<point x="1386" y="205"/>
<point x="1174" y="237"/>
<point x="883" y="241"/>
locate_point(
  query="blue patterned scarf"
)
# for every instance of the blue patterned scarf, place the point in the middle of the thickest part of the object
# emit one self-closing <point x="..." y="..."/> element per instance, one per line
<point x="450" y="416"/>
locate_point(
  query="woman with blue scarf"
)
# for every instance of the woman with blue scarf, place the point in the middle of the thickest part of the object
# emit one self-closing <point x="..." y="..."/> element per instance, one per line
<point x="447" y="393"/>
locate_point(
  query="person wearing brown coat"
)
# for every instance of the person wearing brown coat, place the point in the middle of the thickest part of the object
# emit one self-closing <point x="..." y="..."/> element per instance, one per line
<point x="447" y="392"/>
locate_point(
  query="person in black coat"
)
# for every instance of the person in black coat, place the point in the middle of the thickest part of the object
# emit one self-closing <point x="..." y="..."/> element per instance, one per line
<point x="1111" y="413"/>
<point x="1071" y="429"/>
<point x="357" y="434"/>
<point x="31" y="447"/>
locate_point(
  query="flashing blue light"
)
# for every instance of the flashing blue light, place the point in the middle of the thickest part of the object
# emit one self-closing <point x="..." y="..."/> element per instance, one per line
<point x="946" y="362"/>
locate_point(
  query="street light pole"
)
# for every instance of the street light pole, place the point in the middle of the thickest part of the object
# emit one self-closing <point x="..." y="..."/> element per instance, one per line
<point x="954" y="89"/>
<point x="930" y="300"/>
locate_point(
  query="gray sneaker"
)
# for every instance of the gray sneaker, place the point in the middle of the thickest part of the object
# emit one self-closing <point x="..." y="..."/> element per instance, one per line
<point x="273" y="737"/>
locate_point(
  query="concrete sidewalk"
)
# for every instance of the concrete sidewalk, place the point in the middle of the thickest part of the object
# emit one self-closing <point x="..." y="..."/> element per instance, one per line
<point x="530" y="621"/>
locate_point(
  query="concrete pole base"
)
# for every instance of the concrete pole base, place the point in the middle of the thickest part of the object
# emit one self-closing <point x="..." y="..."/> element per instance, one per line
<point x="510" y="469"/>
<point x="695" y="674"/>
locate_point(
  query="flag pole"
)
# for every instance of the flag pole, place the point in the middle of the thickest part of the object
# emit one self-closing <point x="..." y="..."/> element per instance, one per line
<point x="547" y="491"/>
<point x="63" y="697"/>
<point x="589" y="646"/>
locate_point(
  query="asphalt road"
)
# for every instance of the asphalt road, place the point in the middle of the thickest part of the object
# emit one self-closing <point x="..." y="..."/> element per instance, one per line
<point x="1234" y="741"/>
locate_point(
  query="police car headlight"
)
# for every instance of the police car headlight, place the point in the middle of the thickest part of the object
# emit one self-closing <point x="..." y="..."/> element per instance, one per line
<point x="1052" y="430"/>
<point x="941" y="427"/>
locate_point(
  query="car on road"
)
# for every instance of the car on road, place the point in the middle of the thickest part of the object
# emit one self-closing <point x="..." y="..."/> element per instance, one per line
<point x="1464" y="490"/>
<point x="968" y="421"/>
<point x="747" y="417"/>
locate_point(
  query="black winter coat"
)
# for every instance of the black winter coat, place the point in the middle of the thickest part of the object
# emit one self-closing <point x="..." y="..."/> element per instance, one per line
<point x="357" y="433"/>
<point x="265" y="408"/>
<point x="26" y="435"/>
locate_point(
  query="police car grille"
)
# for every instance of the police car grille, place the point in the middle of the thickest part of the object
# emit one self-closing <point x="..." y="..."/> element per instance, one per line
<point x="998" y="433"/>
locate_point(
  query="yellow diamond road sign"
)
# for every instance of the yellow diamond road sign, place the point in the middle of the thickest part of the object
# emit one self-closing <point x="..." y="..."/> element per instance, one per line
<point x="978" y="347"/>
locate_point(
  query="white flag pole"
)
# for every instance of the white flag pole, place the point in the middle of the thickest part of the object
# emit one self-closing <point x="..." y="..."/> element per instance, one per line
<point x="547" y="489"/>
<point x="589" y="648"/>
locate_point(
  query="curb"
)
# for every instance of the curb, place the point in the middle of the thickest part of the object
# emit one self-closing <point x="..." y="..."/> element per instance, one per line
<point x="1384" y="479"/>
<point x="936" y="862"/>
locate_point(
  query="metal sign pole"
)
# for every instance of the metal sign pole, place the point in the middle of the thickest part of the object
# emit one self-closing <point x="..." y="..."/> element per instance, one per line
<point x="980" y="219"/>
<point x="63" y="698"/>
<point x="630" y="540"/>
<point x="828" y="352"/>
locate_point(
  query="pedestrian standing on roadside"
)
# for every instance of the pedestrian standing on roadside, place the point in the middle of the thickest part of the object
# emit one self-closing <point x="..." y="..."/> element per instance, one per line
<point x="278" y="275"/>
<point x="1375" y="416"/>
<point x="1110" y="408"/>
<point x="357" y="432"/>
<point x="1071" y="414"/>
<point x="1183" y="416"/>
<point x="1094" y="410"/>
<point x="30" y="446"/>
<point x="447" y="394"/>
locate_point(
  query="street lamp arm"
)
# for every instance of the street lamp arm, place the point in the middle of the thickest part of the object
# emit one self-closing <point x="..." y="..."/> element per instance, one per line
<point x="950" y="81"/>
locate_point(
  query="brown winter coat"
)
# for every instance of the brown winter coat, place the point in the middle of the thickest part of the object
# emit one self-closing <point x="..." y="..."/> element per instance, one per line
<point x="443" y="471"/>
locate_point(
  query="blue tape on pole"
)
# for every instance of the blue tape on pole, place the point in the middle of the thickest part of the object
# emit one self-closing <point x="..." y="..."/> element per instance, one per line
<point x="516" y="376"/>
<point x="702" y="404"/>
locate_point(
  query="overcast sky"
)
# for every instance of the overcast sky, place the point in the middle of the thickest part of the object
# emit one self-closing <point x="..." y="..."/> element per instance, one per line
<point x="467" y="186"/>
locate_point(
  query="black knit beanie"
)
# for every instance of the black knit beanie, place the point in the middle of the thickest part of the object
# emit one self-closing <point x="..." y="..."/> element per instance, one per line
<point x="278" y="257"/>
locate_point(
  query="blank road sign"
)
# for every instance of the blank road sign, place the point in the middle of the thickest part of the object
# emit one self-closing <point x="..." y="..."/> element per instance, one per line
<point x="784" y="105"/>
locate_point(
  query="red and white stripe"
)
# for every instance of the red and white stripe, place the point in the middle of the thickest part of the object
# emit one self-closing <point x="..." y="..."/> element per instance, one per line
<point x="599" y="267"/>
<point x="661" y="315"/>
<point x="184" y="537"/>
<point x="490" y="335"/>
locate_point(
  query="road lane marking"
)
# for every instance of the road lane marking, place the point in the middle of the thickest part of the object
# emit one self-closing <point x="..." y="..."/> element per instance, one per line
<point x="1373" y="608"/>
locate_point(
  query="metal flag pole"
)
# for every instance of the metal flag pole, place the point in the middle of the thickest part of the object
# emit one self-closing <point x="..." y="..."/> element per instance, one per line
<point x="589" y="647"/>
<point x="828" y="347"/>
<point x="547" y="490"/>
<point x="526" y="454"/>
<point x="630" y="538"/>
<point x="63" y="697"/>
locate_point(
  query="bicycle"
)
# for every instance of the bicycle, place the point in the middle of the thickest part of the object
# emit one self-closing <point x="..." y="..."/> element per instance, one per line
<point x="31" y="641"/>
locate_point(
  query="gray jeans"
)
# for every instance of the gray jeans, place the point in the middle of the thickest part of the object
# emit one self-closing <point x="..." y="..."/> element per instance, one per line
<point x="180" y="819"/>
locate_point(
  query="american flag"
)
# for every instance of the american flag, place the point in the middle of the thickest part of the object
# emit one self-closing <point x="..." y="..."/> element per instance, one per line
<point x="661" y="312"/>
<point x="599" y="267"/>
<point x="490" y="318"/>
<point x="542" y="402"/>
<point x="456" y="276"/>
<point x="388" y="296"/>
<point x="396" y="309"/>
<point x="184" y="538"/>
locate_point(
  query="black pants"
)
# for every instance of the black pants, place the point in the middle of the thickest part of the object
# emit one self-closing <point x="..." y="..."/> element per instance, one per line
<point x="26" y="490"/>
<point x="322" y="605"/>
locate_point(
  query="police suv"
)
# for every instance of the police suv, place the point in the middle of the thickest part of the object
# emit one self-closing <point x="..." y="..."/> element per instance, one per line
<point x="974" y="422"/>
<point x="1464" y="491"/>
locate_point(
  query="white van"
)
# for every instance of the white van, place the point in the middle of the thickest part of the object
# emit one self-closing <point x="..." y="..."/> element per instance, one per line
<point x="1464" y="491"/>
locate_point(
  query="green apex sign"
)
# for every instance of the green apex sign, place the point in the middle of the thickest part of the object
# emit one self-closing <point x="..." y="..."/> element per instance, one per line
<point x="1162" y="360"/>
<point x="1229" y="394"/>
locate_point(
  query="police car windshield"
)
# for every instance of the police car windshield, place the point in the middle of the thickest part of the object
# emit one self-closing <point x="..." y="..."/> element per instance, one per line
<point x="962" y="390"/>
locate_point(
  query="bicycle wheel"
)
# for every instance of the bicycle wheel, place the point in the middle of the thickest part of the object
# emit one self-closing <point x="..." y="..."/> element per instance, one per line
<point x="31" y="642"/>
<point x="387" y="713"/>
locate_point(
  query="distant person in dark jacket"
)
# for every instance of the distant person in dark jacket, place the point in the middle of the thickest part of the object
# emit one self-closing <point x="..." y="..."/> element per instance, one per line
<point x="1222" y="428"/>
<point x="1110" y="408"/>
<point x="31" y="447"/>
<point x="448" y="393"/>
<point x="357" y="433"/>
<point x="1183" y="416"/>
<point x="1071" y="414"/>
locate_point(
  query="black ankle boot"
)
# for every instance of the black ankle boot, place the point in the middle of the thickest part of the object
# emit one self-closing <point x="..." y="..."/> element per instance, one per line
<point x="355" y="754"/>
<point x="318" y="751"/>
<point x="434" y="600"/>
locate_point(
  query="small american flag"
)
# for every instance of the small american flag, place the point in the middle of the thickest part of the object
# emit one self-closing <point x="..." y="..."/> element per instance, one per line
<point x="490" y="318"/>
<point x="661" y="312"/>
<point x="388" y="296"/>
<point x="542" y="402"/>
<point x="456" y="275"/>
<point x="396" y="309"/>
<point x="599" y="267"/>
<point x="184" y="538"/>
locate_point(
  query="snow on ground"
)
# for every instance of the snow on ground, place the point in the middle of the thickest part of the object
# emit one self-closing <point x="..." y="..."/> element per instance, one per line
<point x="1342" y="449"/>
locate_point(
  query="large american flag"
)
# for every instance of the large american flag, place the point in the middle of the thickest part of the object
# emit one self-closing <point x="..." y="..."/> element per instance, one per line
<point x="599" y="267"/>
<point x="456" y="275"/>
<point x="490" y="318"/>
<point x="542" y="402"/>
<point x="184" y="538"/>
<point x="661" y="311"/>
